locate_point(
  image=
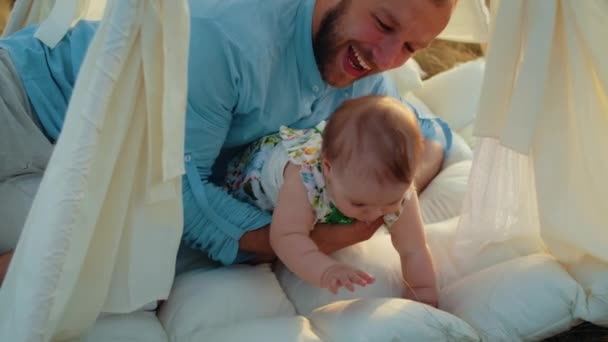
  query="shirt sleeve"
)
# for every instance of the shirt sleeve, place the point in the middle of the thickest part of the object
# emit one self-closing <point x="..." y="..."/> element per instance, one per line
<point x="214" y="221"/>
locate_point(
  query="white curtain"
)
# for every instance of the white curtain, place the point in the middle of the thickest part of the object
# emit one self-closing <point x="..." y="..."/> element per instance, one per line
<point x="540" y="175"/>
<point x="27" y="12"/>
<point x="57" y="15"/>
<point x="104" y="228"/>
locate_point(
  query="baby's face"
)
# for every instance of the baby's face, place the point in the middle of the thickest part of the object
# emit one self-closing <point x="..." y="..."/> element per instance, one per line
<point x="364" y="199"/>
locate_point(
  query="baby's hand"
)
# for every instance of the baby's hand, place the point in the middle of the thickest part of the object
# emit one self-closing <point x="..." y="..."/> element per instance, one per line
<point x="341" y="275"/>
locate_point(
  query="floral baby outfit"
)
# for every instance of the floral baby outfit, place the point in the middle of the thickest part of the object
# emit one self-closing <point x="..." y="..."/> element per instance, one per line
<point x="303" y="148"/>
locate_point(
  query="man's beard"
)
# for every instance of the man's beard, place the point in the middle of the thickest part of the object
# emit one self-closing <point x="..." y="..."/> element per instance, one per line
<point x="326" y="43"/>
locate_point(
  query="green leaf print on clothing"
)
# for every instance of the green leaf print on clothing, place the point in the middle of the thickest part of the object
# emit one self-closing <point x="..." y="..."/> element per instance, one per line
<point x="335" y="216"/>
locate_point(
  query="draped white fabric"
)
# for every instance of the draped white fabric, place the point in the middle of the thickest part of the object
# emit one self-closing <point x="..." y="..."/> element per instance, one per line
<point x="27" y="12"/>
<point x="56" y="16"/>
<point x="104" y="228"/>
<point x="545" y="96"/>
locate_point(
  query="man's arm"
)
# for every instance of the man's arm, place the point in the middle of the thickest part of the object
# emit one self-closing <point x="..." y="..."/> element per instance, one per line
<point x="329" y="238"/>
<point x="214" y="221"/>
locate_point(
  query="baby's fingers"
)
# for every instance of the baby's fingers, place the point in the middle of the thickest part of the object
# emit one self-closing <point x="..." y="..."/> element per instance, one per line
<point x="357" y="279"/>
<point x="367" y="278"/>
<point x="347" y="282"/>
<point x="334" y="285"/>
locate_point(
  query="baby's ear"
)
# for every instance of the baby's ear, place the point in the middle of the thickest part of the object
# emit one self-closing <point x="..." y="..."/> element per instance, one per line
<point x="326" y="167"/>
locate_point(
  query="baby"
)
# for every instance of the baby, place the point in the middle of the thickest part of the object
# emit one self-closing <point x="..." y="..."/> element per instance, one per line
<point x="360" y="166"/>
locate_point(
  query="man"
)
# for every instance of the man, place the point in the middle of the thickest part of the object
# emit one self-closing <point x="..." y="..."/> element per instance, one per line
<point x="254" y="65"/>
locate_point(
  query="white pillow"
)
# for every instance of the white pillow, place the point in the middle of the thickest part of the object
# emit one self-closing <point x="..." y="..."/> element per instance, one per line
<point x="288" y="329"/>
<point x="442" y="199"/>
<point x="592" y="274"/>
<point x="382" y="320"/>
<point x="207" y="298"/>
<point x="439" y="237"/>
<point x="454" y="94"/>
<point x="378" y="257"/>
<point x="528" y="298"/>
<point x="461" y="150"/>
<point x="408" y="77"/>
<point x="134" y="327"/>
<point x="375" y="256"/>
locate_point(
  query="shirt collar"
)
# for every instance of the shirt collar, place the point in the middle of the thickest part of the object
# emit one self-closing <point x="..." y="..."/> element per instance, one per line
<point x="305" y="57"/>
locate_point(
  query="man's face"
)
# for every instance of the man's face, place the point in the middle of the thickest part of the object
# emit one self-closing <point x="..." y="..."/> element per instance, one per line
<point x="358" y="38"/>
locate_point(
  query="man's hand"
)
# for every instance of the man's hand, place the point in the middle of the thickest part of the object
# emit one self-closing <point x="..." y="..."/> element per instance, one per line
<point x="329" y="238"/>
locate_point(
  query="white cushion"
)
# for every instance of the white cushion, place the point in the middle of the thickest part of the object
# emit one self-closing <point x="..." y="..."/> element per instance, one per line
<point x="439" y="237"/>
<point x="460" y="151"/>
<point x="454" y="94"/>
<point x="375" y="256"/>
<point x="378" y="257"/>
<point x="528" y="298"/>
<point x="442" y="199"/>
<point x="206" y="298"/>
<point x="382" y="319"/>
<point x="288" y="329"/>
<point x="592" y="274"/>
<point x="135" y="327"/>
<point x="408" y="77"/>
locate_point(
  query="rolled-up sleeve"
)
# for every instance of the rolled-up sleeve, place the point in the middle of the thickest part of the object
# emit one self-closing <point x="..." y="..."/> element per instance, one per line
<point x="214" y="221"/>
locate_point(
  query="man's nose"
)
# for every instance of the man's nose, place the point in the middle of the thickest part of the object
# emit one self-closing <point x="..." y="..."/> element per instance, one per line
<point x="389" y="54"/>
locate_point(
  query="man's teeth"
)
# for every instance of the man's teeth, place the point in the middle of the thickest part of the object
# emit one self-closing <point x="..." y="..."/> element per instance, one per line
<point x="360" y="60"/>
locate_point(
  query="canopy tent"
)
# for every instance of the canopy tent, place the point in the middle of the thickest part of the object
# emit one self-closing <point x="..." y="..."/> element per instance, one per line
<point x="535" y="185"/>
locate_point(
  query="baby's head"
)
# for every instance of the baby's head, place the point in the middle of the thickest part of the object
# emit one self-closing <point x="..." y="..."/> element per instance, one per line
<point x="372" y="147"/>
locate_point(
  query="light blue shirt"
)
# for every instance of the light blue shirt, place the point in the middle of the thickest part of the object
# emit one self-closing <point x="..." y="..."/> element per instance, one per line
<point x="251" y="70"/>
<point x="49" y="75"/>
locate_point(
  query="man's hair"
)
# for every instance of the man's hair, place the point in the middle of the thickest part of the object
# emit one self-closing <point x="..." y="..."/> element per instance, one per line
<point x="380" y="132"/>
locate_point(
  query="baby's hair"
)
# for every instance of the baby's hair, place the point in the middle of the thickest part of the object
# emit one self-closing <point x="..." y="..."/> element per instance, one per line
<point x="381" y="132"/>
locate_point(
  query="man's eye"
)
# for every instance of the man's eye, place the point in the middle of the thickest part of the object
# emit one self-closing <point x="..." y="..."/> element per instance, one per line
<point x="358" y="205"/>
<point x="383" y="26"/>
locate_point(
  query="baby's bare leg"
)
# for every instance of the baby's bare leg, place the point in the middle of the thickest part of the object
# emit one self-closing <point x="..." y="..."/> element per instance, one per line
<point x="5" y="261"/>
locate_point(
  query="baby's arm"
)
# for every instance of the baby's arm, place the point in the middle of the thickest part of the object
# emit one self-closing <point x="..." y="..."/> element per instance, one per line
<point x="408" y="237"/>
<point x="292" y="221"/>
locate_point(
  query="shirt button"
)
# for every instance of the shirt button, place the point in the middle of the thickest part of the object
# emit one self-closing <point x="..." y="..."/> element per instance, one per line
<point x="315" y="88"/>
